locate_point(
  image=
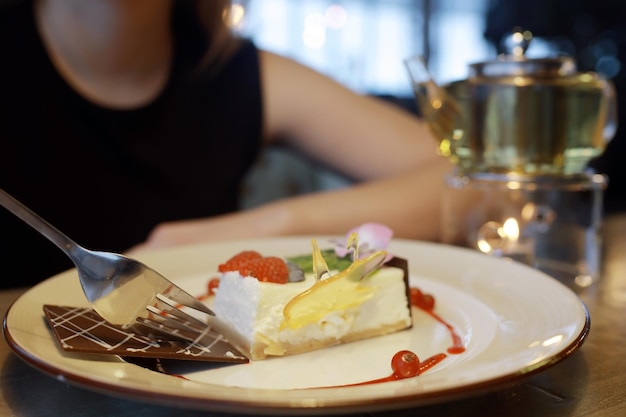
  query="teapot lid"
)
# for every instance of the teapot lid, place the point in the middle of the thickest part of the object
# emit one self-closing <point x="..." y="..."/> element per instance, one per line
<point x="515" y="63"/>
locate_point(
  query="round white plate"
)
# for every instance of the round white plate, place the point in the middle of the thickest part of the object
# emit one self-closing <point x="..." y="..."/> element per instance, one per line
<point x="514" y="320"/>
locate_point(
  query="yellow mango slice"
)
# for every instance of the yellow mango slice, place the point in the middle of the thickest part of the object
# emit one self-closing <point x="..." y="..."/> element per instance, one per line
<point x="336" y="293"/>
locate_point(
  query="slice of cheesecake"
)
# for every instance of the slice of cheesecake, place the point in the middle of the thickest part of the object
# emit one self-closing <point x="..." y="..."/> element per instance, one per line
<point x="364" y="300"/>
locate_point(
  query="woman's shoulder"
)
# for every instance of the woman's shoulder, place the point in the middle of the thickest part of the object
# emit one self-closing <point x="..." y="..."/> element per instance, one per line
<point x="244" y="54"/>
<point x="239" y="65"/>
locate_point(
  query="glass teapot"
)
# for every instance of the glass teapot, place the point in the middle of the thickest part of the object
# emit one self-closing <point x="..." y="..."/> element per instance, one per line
<point x="518" y="115"/>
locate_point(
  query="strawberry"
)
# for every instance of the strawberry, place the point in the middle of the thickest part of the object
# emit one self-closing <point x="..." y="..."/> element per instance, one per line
<point x="240" y="262"/>
<point x="270" y="269"/>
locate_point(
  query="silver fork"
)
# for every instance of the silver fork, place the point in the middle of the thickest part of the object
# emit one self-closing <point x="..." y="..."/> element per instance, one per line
<point x="123" y="290"/>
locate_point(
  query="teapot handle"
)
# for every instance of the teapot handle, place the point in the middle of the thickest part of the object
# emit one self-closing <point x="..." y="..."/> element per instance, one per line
<point x="440" y="111"/>
<point x="610" y="126"/>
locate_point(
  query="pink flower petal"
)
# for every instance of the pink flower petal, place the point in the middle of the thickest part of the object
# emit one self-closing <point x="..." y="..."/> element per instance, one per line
<point x="376" y="235"/>
<point x="372" y="237"/>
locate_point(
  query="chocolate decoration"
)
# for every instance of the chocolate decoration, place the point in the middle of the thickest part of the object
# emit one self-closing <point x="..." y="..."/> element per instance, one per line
<point x="82" y="330"/>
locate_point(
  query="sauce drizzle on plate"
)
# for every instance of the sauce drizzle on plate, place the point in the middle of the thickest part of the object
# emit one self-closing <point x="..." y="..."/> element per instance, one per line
<point x="426" y="303"/>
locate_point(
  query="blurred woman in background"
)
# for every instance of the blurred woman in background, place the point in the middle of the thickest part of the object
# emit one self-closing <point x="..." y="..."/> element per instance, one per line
<point x="131" y="124"/>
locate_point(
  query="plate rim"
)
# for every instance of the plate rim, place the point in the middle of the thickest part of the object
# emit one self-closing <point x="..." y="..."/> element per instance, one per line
<point x="305" y="406"/>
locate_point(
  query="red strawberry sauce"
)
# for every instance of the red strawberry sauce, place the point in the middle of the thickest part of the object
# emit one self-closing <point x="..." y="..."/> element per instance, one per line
<point x="426" y="303"/>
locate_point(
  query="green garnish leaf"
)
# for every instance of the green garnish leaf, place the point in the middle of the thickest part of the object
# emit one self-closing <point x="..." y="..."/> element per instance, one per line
<point x="333" y="261"/>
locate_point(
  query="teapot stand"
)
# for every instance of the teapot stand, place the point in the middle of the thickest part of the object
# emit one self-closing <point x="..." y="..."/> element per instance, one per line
<point x="549" y="222"/>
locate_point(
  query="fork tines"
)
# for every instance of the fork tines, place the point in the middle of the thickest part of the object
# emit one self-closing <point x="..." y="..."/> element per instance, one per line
<point x="182" y="298"/>
<point x="166" y="317"/>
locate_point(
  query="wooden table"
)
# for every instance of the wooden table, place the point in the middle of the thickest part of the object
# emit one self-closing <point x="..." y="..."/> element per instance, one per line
<point x="592" y="382"/>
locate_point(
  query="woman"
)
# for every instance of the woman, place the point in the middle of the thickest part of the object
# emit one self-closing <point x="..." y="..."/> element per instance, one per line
<point x="132" y="124"/>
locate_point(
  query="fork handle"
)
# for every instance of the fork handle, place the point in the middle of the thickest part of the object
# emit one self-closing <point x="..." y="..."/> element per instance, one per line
<point x="64" y="243"/>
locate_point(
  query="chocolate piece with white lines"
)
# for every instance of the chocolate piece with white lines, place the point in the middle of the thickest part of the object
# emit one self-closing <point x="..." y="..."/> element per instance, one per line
<point x="82" y="330"/>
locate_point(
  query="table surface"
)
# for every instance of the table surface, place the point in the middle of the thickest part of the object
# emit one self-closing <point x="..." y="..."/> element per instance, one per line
<point x="591" y="382"/>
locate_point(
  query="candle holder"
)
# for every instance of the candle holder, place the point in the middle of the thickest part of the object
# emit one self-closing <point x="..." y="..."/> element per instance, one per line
<point x="549" y="222"/>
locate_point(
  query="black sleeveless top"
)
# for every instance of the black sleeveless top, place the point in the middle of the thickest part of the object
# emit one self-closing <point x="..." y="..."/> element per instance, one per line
<point x="107" y="177"/>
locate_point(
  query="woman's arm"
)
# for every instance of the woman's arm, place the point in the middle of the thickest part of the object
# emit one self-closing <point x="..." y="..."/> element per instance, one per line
<point x="387" y="150"/>
<point x="408" y="203"/>
<point x="360" y="136"/>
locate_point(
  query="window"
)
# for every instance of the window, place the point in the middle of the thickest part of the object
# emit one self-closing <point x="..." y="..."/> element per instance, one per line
<point x="362" y="43"/>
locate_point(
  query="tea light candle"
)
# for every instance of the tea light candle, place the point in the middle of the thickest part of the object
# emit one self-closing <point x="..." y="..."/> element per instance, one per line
<point x="503" y="239"/>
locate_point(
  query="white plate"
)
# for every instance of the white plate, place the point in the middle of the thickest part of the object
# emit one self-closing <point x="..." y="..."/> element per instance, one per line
<point x="514" y="320"/>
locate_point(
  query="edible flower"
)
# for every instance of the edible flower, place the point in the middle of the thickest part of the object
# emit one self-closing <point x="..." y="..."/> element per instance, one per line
<point x="372" y="237"/>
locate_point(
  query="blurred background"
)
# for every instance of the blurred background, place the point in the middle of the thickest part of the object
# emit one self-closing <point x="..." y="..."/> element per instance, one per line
<point x="362" y="44"/>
